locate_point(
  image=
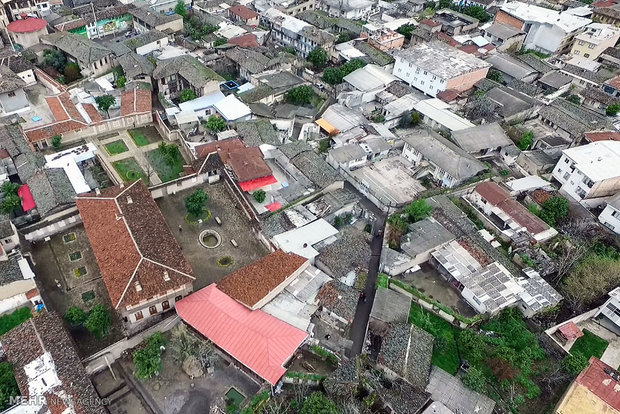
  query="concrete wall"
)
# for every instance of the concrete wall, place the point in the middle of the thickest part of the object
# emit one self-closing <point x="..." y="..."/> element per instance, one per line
<point x="505" y="18"/>
<point x="148" y="48"/>
<point x="467" y="80"/>
<point x="131" y="312"/>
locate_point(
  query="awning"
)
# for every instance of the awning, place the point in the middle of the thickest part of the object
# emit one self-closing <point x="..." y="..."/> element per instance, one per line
<point x="327" y="127"/>
<point x="273" y="206"/>
<point x="257" y="183"/>
<point x="27" y="201"/>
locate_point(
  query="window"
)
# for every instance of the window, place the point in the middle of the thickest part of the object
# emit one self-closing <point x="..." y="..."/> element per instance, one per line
<point x="590" y="46"/>
<point x="586" y="55"/>
<point x="560" y="170"/>
<point x="476" y="300"/>
<point x="152" y="310"/>
<point x="566" y="176"/>
<point x="422" y="83"/>
<point x="576" y="53"/>
<point x="431" y="87"/>
<point x="425" y="72"/>
<point x="566" y="160"/>
<point x="138" y="315"/>
<point x="612" y="308"/>
<point x="616" y="214"/>
<point x="165" y="305"/>
<point x="581" y="43"/>
<point x="178" y="298"/>
<point x="11" y="94"/>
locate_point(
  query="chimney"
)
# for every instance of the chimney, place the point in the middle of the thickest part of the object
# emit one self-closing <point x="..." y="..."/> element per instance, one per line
<point x="138" y="287"/>
<point x="166" y="276"/>
<point x="97" y="191"/>
<point x="129" y="200"/>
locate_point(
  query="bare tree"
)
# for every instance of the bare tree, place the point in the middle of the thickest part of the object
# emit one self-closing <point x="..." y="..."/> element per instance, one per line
<point x="573" y="248"/>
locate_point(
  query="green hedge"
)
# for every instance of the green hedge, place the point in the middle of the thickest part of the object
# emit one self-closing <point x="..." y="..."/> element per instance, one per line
<point x="322" y="352"/>
<point x="305" y="375"/>
<point x="415" y="292"/>
<point x="10" y="321"/>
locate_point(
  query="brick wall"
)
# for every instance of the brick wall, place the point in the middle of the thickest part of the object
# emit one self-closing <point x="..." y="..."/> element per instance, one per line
<point x="505" y="18"/>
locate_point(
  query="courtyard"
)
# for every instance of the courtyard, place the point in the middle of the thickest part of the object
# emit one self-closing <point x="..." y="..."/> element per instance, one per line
<point x="68" y="274"/>
<point x="235" y="226"/>
<point x="133" y="154"/>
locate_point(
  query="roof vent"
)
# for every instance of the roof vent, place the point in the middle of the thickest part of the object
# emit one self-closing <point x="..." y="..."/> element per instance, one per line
<point x="129" y="200"/>
<point x="97" y="191"/>
<point x="138" y="287"/>
<point x="166" y="276"/>
<point x="305" y="245"/>
<point x="122" y="185"/>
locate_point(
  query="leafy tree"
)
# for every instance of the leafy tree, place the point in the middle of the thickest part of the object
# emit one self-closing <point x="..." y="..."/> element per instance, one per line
<point x="591" y="279"/>
<point x="324" y="145"/>
<point x="10" y="203"/>
<point x="148" y="359"/>
<point x="300" y="95"/>
<point x="8" y="385"/>
<point x="474" y="379"/>
<point x="418" y="210"/>
<point x="415" y="118"/>
<point x="105" y="102"/>
<point x="195" y="202"/>
<point x="495" y="75"/>
<point x="406" y="30"/>
<point x="343" y="37"/>
<point x="180" y="8"/>
<point x="9" y="188"/>
<point x="332" y="76"/>
<point x="219" y="42"/>
<point x="318" y="57"/>
<point x="290" y="50"/>
<point x="98" y="321"/>
<point x="338" y="222"/>
<point x="317" y="403"/>
<point x="477" y="12"/>
<point x="553" y="209"/>
<point x="352" y="66"/>
<point x="574" y="363"/>
<point x="574" y="99"/>
<point x="259" y="196"/>
<point x="120" y="82"/>
<point x="170" y="152"/>
<point x="215" y="124"/>
<point x="526" y="140"/>
<point x="61" y="79"/>
<point x="613" y="109"/>
<point x="445" y="4"/>
<point x="471" y="344"/>
<point x="75" y="316"/>
<point x="187" y="95"/>
<point x="56" y="141"/>
<point x="54" y="58"/>
<point x="72" y="72"/>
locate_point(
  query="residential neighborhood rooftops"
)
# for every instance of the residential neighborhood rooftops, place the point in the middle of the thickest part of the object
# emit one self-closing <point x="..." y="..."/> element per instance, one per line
<point x="224" y="148"/>
<point x="9" y="81"/>
<point x="597" y="160"/>
<point x="136" y="101"/>
<point x="425" y="235"/>
<point x="41" y="346"/>
<point x="531" y="13"/>
<point x="253" y="283"/>
<point x="482" y="137"/>
<point x="83" y="49"/>
<point x="503" y="31"/>
<point x="243" y="12"/>
<point x="51" y="189"/>
<point x="153" y="18"/>
<point x="135" y="65"/>
<point x="339" y="298"/>
<point x="257" y="340"/>
<point x="137" y="254"/>
<point x="144" y="39"/>
<point x="189" y="68"/>
<point x="442" y="60"/>
<point x="248" y="164"/>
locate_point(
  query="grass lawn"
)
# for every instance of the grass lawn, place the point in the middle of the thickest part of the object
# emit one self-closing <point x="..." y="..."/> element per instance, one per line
<point x="445" y="355"/>
<point x="316" y="101"/>
<point x="144" y="135"/>
<point x="116" y="147"/>
<point x="130" y="170"/>
<point x="589" y="345"/>
<point x="166" y="171"/>
<point x="382" y="280"/>
<point x="11" y="320"/>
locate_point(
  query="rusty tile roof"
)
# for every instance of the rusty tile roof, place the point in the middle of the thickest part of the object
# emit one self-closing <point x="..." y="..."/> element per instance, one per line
<point x="136" y="101"/>
<point x="93" y="113"/>
<point x="223" y="148"/>
<point x="601" y="380"/>
<point x="132" y="244"/>
<point x="45" y="333"/>
<point x="595" y="136"/>
<point x="243" y="12"/>
<point x="250" y="284"/>
<point x="248" y="164"/>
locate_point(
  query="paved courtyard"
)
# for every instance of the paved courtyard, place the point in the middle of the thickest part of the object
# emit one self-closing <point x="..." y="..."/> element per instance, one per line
<point x="234" y="226"/>
<point x="69" y="276"/>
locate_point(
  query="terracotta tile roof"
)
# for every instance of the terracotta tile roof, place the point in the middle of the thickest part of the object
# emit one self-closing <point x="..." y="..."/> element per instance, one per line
<point x="93" y="113"/>
<point x="602" y="136"/>
<point x="250" y="284"/>
<point x="615" y="82"/>
<point x="448" y="95"/>
<point x="27" y="25"/>
<point x="136" y="101"/>
<point x="430" y="23"/>
<point x="32" y="293"/>
<point x="447" y="39"/>
<point x="243" y="12"/>
<point x="45" y="333"/>
<point x="601" y="380"/>
<point x="498" y="197"/>
<point x="570" y="331"/>
<point x="257" y="340"/>
<point x="72" y="24"/>
<point x="247" y="41"/>
<point x="223" y="148"/>
<point x="248" y="164"/>
<point x="133" y="244"/>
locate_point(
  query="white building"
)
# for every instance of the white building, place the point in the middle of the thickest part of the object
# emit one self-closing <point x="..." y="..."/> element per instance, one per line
<point x="548" y="31"/>
<point x="347" y="9"/>
<point x="608" y="315"/>
<point x="590" y="173"/>
<point x="436" y="114"/>
<point x="610" y="217"/>
<point x="17" y="285"/>
<point x="594" y="40"/>
<point x="435" y="67"/>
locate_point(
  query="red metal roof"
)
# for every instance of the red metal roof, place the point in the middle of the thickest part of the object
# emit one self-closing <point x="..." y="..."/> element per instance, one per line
<point x="570" y="331"/>
<point x="257" y="340"/>
<point x="257" y="183"/>
<point x="30" y="24"/>
<point x="27" y="201"/>
<point x="600" y="383"/>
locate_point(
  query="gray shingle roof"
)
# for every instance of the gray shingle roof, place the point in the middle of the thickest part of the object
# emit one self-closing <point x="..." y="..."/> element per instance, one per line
<point x="509" y="101"/>
<point x="144" y="39"/>
<point x="26" y="161"/>
<point x="189" y="68"/>
<point x="135" y="65"/>
<point x="311" y="164"/>
<point x="9" y="81"/>
<point x="424" y="236"/>
<point x="10" y="271"/>
<point x="351" y="252"/>
<point x="510" y="66"/>
<point x="444" y="154"/>
<point x="6" y="230"/>
<point x="50" y="190"/>
<point x="450" y="391"/>
<point x="250" y="60"/>
<point x="83" y="49"/>
<point x="572" y="118"/>
<point x="153" y="18"/>
<point x="257" y="132"/>
<point x="481" y="137"/>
